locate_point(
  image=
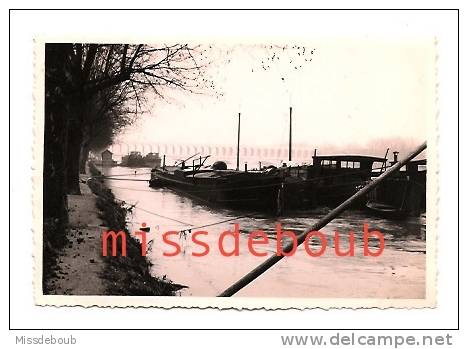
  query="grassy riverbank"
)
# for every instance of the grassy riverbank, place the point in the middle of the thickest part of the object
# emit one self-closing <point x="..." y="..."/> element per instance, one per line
<point x="72" y="260"/>
<point x="128" y="275"/>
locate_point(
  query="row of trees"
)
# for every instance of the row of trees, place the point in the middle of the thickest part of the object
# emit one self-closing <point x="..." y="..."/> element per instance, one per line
<point x="92" y="91"/>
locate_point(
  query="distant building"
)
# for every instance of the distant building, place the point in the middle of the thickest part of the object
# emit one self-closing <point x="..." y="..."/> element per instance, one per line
<point x="106" y="158"/>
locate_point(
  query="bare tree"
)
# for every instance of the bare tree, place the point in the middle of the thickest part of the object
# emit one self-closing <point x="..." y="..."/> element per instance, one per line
<point x="93" y="87"/>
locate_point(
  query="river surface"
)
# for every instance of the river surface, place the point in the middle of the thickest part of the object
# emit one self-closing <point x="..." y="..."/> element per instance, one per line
<point x="399" y="272"/>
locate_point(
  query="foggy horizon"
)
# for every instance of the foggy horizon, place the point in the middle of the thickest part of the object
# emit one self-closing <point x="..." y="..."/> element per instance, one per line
<point x="346" y="97"/>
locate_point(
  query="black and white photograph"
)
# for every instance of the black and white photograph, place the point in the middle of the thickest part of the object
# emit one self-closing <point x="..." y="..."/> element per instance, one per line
<point x="209" y="177"/>
<point x="238" y="169"/>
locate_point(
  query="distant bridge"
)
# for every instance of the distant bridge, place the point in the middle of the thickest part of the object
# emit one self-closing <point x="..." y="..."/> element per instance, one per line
<point x="246" y="153"/>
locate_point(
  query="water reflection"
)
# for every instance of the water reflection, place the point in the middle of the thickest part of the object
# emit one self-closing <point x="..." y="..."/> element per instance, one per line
<point x="398" y="272"/>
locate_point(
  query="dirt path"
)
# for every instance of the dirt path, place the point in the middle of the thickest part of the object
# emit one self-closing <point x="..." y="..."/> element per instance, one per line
<point x="80" y="263"/>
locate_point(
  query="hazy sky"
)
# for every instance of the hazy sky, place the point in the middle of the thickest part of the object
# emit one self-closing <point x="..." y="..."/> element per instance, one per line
<point x="345" y="92"/>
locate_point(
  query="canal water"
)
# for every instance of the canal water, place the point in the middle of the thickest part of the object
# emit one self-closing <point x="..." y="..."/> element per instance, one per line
<point x="399" y="272"/>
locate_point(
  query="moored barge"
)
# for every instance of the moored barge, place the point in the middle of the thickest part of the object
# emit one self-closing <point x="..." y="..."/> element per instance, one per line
<point x="218" y="185"/>
<point x="401" y="195"/>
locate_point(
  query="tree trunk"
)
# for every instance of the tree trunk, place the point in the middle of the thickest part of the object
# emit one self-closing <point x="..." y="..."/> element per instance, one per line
<point x="54" y="193"/>
<point x="84" y="155"/>
<point x="56" y="110"/>
<point x="75" y="140"/>
<point x="75" y="136"/>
